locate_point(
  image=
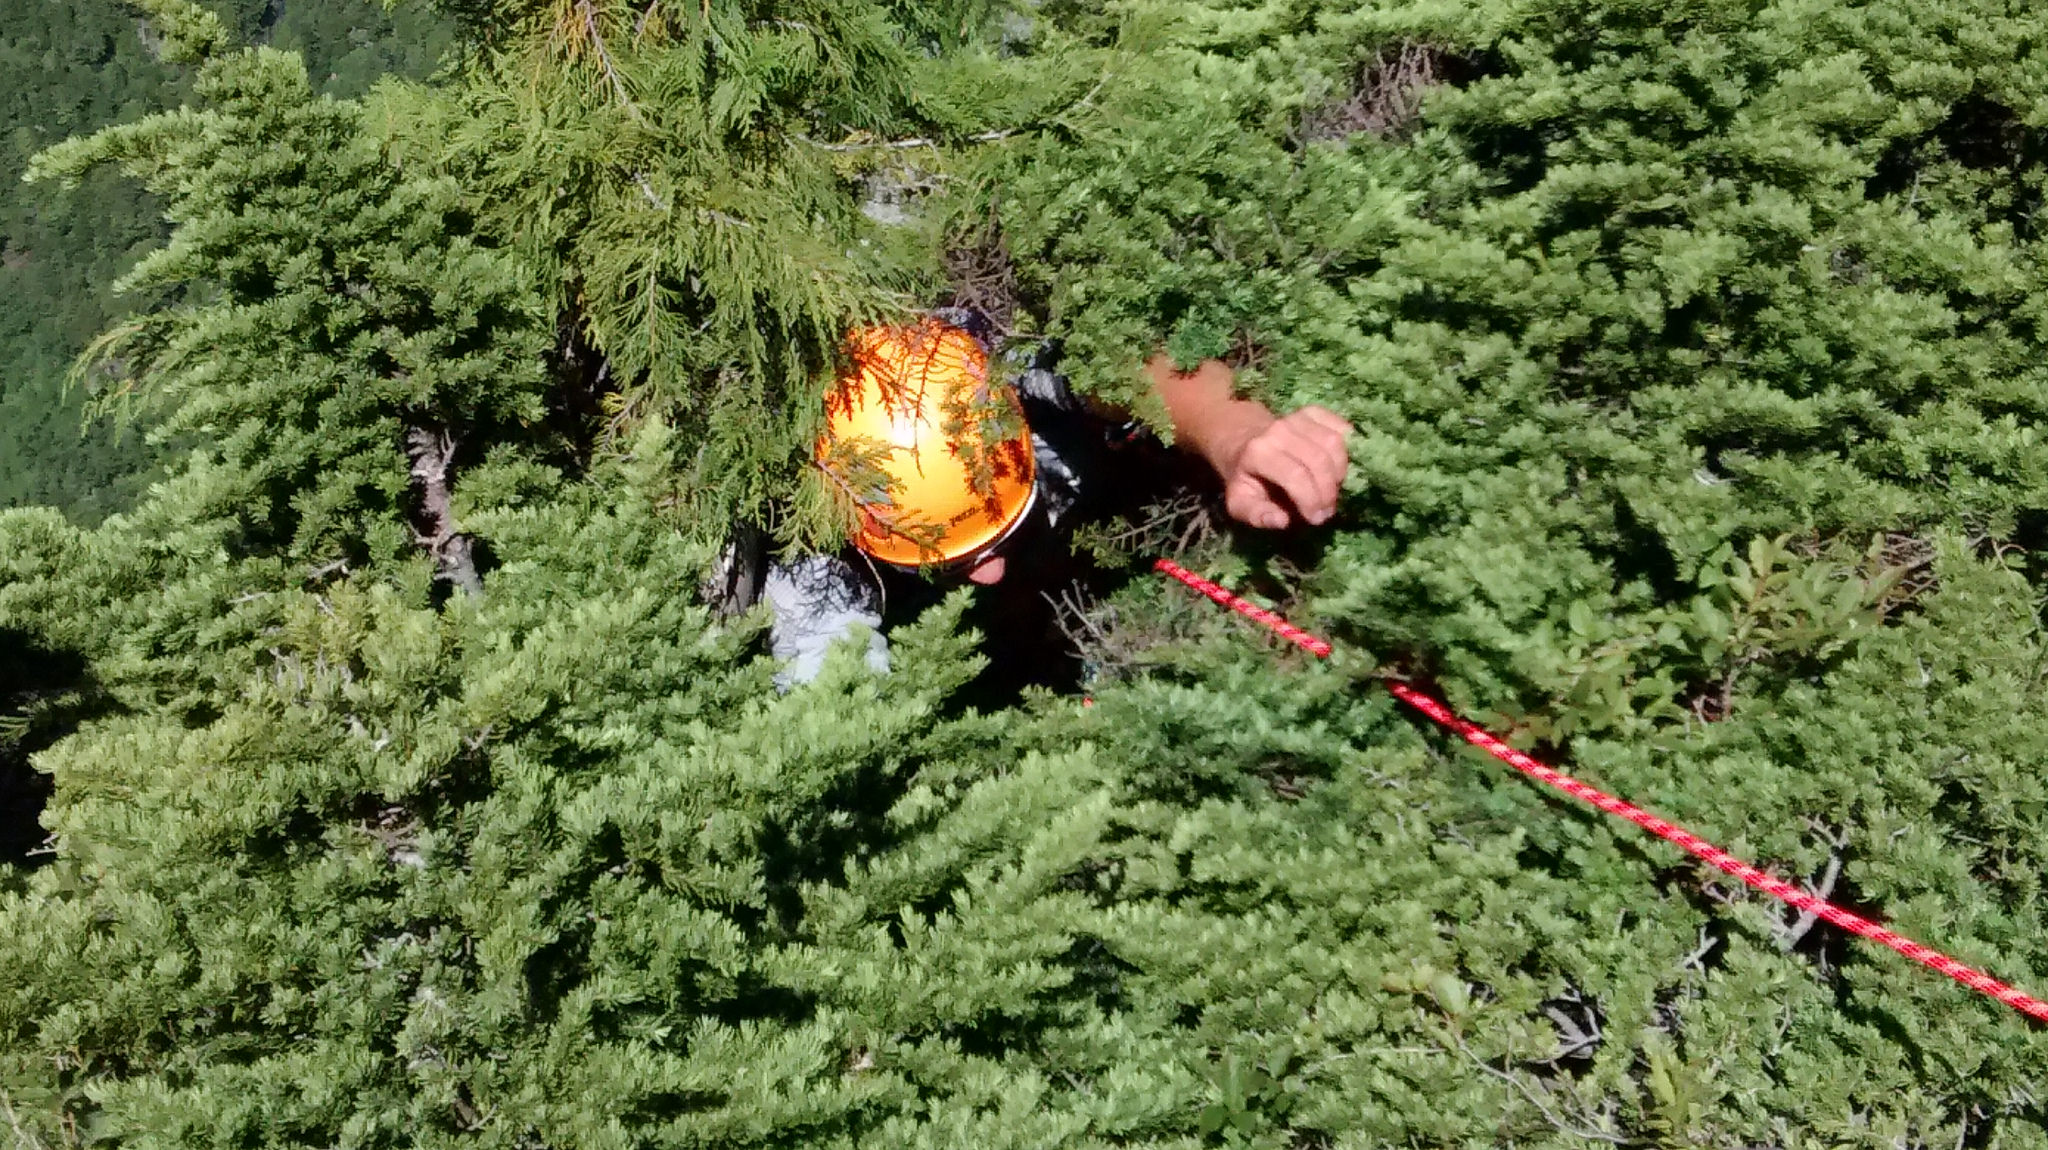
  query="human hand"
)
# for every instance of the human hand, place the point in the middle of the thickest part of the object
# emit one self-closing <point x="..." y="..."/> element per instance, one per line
<point x="1290" y="467"/>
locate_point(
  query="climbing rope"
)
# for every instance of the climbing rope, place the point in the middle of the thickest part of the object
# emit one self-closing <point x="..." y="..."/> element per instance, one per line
<point x="1678" y="836"/>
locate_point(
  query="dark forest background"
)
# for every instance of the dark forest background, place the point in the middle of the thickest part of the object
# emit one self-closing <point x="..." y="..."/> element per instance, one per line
<point x="72" y="66"/>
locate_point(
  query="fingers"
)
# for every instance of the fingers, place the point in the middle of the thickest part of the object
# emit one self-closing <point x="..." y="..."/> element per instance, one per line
<point x="1300" y="458"/>
<point x="1295" y="469"/>
<point x="1249" y="501"/>
<point x="1323" y="417"/>
<point x="1320" y="447"/>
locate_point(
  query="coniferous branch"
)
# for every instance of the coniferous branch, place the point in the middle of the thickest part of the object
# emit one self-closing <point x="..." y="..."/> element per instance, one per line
<point x="1556" y="1122"/>
<point x="604" y="60"/>
<point x="24" y="1138"/>
<point x="904" y="144"/>
<point x="647" y="14"/>
<point x="188" y="32"/>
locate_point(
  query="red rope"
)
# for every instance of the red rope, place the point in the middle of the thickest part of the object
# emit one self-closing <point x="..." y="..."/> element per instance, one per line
<point x="1691" y="843"/>
<point x="1257" y="614"/>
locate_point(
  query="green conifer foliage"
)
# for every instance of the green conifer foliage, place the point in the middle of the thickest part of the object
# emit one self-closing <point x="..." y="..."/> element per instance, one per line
<point x="537" y="873"/>
<point x="720" y="192"/>
<point x="1648" y="320"/>
<point x="1693" y="358"/>
<point x="364" y="314"/>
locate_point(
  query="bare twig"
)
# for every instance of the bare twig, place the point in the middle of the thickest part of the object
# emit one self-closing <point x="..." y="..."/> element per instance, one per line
<point x="335" y="567"/>
<point x="471" y="1120"/>
<point x="1571" y="1038"/>
<point x="1523" y="1088"/>
<point x="22" y="1137"/>
<point x="1823" y="889"/>
<point x="1073" y="618"/>
<point x="1708" y="941"/>
<point x="1385" y="100"/>
<point x="911" y="142"/>
<point x="1577" y="1037"/>
<point x="984" y="276"/>
<point x="647" y="189"/>
<point x="604" y="60"/>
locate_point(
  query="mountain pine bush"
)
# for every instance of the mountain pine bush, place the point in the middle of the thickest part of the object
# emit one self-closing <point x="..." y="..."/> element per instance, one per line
<point x="405" y="793"/>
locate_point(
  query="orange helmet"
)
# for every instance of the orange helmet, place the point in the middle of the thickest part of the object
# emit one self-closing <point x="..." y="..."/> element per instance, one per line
<point x="933" y="453"/>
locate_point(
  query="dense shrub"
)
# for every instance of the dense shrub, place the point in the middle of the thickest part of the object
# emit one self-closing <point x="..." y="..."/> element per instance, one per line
<point x="405" y="794"/>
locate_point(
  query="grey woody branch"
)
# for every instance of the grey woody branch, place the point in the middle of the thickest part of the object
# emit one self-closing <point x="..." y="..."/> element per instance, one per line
<point x="431" y="452"/>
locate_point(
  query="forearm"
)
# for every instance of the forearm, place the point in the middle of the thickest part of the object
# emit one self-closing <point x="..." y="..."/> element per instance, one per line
<point x="1274" y="469"/>
<point x="1207" y="416"/>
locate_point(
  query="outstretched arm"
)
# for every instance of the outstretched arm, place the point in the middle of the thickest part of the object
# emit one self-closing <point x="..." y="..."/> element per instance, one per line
<point x="1275" y="469"/>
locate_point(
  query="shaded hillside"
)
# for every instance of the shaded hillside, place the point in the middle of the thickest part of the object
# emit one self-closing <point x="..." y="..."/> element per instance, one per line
<point x="70" y="66"/>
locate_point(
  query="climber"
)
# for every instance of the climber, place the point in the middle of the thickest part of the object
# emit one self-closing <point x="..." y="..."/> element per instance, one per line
<point x="958" y="472"/>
